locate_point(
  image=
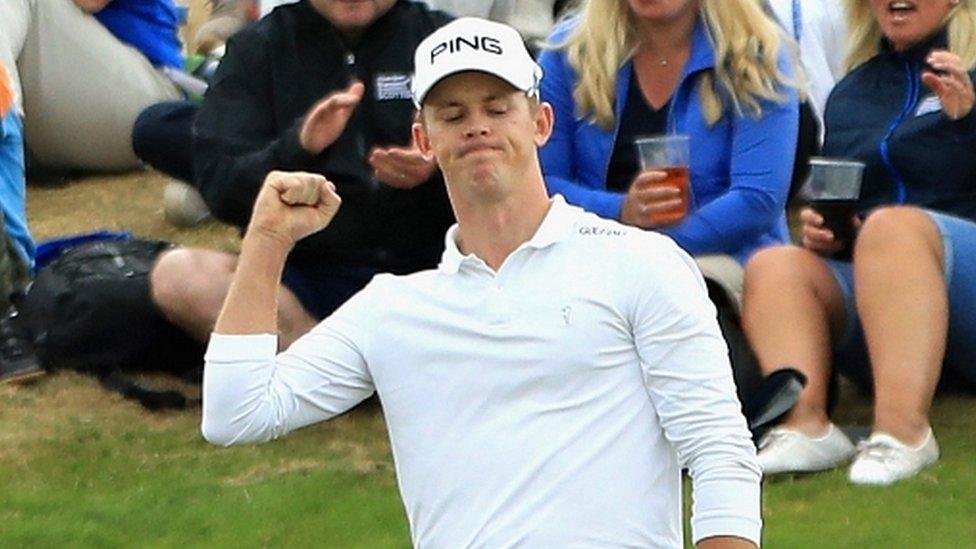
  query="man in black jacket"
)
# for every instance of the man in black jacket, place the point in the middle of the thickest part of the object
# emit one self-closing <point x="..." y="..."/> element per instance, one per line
<point x="320" y="86"/>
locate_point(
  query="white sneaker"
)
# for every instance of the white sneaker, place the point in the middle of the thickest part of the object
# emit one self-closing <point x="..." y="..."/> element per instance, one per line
<point x="783" y="450"/>
<point x="882" y="459"/>
<point x="182" y="204"/>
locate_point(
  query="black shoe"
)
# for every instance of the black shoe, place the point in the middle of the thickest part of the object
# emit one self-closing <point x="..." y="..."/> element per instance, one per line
<point x="18" y="362"/>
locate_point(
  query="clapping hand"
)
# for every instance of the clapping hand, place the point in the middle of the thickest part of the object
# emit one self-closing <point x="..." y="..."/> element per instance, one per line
<point x="327" y="119"/>
<point x="401" y="167"/>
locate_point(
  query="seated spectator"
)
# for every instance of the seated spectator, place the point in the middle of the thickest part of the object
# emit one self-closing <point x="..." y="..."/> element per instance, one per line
<point x="626" y="69"/>
<point x="163" y="136"/>
<point x="17" y="360"/>
<point x="317" y="86"/>
<point x="82" y="71"/>
<point x="898" y="314"/>
<point x="532" y="18"/>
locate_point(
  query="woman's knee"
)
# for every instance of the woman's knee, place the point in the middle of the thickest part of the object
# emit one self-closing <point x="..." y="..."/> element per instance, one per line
<point x="772" y="266"/>
<point x="898" y="227"/>
<point x="790" y="270"/>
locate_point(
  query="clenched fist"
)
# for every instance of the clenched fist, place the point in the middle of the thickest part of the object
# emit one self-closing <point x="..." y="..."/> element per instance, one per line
<point x="293" y="205"/>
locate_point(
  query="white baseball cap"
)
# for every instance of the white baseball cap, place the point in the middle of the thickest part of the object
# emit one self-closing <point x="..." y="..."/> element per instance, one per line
<point x="474" y="44"/>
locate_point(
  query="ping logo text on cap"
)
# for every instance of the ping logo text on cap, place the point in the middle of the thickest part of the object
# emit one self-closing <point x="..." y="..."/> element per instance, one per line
<point x="486" y="44"/>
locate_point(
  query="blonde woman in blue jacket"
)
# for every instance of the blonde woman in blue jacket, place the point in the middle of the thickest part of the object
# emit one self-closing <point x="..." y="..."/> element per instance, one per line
<point x="716" y="70"/>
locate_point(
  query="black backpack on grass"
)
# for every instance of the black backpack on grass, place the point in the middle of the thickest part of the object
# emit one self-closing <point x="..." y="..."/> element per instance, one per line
<point x="89" y="309"/>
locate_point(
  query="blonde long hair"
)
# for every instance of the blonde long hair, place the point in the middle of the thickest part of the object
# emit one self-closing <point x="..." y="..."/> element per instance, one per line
<point x="746" y="44"/>
<point x="865" y="34"/>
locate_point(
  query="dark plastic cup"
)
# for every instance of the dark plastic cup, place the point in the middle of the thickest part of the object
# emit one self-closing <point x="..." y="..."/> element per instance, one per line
<point x="833" y="191"/>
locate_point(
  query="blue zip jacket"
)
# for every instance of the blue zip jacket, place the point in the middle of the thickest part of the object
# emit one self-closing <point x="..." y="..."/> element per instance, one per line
<point x="883" y="115"/>
<point x="740" y="167"/>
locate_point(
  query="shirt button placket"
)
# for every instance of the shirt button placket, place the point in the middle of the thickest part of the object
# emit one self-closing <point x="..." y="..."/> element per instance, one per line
<point x="499" y="300"/>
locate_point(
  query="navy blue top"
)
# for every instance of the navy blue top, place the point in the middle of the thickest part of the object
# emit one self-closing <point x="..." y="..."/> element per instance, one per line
<point x="150" y="26"/>
<point x="639" y="119"/>
<point x="883" y="115"/>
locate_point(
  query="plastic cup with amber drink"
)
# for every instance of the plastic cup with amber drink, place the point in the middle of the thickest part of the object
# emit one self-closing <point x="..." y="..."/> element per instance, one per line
<point x="668" y="154"/>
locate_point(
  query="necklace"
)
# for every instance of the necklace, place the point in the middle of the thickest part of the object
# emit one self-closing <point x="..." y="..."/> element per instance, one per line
<point x="655" y="60"/>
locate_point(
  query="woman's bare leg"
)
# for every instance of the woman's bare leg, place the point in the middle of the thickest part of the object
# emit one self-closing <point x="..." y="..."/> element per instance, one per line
<point x="901" y="299"/>
<point x="792" y="310"/>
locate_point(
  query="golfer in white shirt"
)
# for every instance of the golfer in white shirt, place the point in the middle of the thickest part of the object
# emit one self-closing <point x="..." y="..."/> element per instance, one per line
<point x="545" y="385"/>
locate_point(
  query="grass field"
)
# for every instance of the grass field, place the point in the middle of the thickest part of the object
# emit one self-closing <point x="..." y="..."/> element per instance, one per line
<point x="80" y="467"/>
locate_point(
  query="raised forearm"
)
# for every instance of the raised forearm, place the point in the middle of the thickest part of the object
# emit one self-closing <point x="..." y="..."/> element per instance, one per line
<point x="252" y="301"/>
<point x="289" y="207"/>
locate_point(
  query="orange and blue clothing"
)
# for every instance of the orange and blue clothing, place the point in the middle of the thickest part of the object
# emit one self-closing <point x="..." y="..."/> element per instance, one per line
<point x="13" y="195"/>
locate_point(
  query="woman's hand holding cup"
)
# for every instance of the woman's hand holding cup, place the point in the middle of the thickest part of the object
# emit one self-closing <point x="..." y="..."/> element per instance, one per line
<point x="816" y="237"/>
<point x="651" y="202"/>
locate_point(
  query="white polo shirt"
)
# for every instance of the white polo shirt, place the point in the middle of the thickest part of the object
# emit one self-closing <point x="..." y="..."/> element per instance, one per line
<point x="549" y="404"/>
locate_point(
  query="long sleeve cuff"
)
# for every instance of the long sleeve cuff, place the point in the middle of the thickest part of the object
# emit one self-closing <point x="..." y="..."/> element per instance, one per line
<point x="228" y="349"/>
<point x="728" y="508"/>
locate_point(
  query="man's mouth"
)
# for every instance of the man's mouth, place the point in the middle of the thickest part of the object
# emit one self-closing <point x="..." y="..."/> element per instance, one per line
<point x="477" y="148"/>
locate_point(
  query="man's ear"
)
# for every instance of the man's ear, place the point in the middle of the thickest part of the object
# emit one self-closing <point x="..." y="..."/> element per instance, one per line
<point x="421" y="140"/>
<point x="545" y="118"/>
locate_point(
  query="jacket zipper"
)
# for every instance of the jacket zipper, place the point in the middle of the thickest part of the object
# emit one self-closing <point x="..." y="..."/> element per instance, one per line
<point x="360" y="137"/>
<point x="911" y="98"/>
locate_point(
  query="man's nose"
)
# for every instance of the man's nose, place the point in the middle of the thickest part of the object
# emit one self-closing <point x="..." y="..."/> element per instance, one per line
<point x="477" y="128"/>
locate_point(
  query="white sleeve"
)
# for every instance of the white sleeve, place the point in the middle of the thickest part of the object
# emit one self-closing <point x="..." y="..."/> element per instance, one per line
<point x="252" y="395"/>
<point x="836" y="36"/>
<point x="689" y="380"/>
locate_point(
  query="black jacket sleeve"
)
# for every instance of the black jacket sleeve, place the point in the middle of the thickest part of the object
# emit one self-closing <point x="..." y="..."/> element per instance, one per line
<point x="235" y="133"/>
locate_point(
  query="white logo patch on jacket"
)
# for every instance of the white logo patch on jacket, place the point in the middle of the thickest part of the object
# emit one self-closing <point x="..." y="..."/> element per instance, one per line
<point x="928" y="105"/>
<point x="392" y="86"/>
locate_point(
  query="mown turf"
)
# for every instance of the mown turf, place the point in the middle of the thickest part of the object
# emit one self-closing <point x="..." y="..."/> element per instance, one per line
<point x="81" y="467"/>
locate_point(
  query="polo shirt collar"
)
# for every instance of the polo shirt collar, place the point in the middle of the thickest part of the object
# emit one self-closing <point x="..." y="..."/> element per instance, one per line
<point x="556" y="227"/>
